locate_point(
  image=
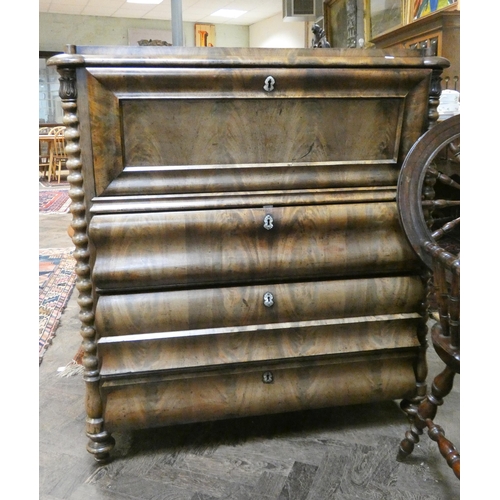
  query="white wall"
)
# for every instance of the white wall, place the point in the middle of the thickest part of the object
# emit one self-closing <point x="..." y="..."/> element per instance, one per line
<point x="275" y="33"/>
<point x="58" y="30"/>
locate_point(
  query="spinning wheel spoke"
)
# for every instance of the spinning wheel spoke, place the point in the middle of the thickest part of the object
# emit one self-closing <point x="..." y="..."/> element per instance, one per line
<point x="443" y="178"/>
<point x="447" y="228"/>
<point x="440" y="203"/>
<point x="442" y="214"/>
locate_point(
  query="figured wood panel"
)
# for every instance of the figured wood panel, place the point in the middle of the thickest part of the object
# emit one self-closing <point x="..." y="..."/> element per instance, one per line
<point x="178" y="249"/>
<point x="222" y="131"/>
<point x="241" y="392"/>
<point x="181" y="310"/>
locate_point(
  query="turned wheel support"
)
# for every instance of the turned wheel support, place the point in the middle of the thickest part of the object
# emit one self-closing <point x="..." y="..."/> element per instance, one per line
<point x="428" y="203"/>
<point x="427" y="410"/>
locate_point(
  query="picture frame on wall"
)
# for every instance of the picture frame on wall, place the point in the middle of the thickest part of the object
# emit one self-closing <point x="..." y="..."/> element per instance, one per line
<point x="386" y="15"/>
<point x="343" y="21"/>
<point x="204" y="35"/>
<point x="422" y="8"/>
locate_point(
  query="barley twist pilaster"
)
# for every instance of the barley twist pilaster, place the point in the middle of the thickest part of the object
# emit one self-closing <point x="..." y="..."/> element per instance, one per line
<point x="101" y="443"/>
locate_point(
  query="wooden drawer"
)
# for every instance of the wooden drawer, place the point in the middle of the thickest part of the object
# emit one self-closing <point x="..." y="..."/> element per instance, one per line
<point x="136" y="402"/>
<point x="141" y="122"/>
<point x="188" y="249"/>
<point x="184" y="311"/>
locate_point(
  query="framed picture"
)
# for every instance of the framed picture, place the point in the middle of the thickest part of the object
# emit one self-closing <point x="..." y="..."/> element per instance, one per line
<point x="344" y="22"/>
<point x="386" y="15"/>
<point x="204" y="35"/>
<point x="421" y="8"/>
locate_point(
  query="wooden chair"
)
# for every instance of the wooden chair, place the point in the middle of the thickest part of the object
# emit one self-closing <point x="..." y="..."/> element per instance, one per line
<point x="429" y="203"/>
<point x="55" y="130"/>
<point x="43" y="153"/>
<point x="59" y="156"/>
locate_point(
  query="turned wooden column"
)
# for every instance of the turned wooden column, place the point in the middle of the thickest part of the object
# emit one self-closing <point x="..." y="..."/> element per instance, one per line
<point x="101" y="443"/>
<point x="434" y="95"/>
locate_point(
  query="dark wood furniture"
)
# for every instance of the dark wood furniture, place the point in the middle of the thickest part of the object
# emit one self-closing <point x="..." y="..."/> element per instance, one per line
<point x="437" y="34"/>
<point x="429" y="207"/>
<point x="237" y="238"/>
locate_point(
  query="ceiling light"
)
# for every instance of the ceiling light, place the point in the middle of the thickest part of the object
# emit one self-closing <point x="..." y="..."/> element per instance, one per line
<point x="155" y="2"/>
<point x="232" y="13"/>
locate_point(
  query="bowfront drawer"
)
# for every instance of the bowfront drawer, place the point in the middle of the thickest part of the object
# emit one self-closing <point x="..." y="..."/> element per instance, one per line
<point x="212" y="247"/>
<point x="255" y="390"/>
<point x="184" y="310"/>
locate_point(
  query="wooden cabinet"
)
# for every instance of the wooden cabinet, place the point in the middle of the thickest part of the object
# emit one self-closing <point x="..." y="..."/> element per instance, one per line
<point x="439" y="33"/>
<point x="237" y="239"/>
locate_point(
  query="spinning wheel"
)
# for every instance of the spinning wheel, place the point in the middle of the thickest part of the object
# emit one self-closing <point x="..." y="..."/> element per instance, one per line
<point x="429" y="191"/>
<point x="429" y="208"/>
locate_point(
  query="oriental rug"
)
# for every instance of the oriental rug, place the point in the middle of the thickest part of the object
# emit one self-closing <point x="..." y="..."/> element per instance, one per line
<point x="53" y="201"/>
<point x="56" y="282"/>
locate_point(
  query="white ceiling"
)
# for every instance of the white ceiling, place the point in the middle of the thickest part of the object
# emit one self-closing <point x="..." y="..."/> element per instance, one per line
<point x="192" y="10"/>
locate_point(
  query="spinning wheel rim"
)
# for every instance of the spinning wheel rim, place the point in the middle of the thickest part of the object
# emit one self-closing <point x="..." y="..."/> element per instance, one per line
<point x="411" y="180"/>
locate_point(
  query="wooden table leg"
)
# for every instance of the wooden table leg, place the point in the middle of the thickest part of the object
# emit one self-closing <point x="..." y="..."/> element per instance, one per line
<point x="51" y="169"/>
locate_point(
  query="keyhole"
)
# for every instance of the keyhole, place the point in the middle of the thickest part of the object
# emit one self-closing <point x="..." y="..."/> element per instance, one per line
<point x="268" y="222"/>
<point x="268" y="299"/>
<point x="269" y="84"/>
<point x="268" y="377"/>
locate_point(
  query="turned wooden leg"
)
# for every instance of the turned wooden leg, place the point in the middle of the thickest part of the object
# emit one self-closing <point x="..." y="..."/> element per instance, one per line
<point x="425" y="410"/>
<point x="441" y="387"/>
<point x="410" y="405"/>
<point x="446" y="447"/>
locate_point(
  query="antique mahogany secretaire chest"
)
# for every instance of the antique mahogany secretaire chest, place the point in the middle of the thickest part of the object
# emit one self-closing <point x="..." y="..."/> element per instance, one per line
<point x="237" y="243"/>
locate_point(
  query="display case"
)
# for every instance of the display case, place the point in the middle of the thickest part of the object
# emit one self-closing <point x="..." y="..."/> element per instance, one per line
<point x="437" y="34"/>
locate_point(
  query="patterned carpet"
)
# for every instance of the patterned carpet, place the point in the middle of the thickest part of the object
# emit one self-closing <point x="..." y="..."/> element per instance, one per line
<point x="53" y="201"/>
<point x="56" y="282"/>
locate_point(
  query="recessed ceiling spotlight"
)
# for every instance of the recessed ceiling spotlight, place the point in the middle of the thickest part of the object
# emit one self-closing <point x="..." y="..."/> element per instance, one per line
<point x="232" y="13"/>
<point x="154" y="2"/>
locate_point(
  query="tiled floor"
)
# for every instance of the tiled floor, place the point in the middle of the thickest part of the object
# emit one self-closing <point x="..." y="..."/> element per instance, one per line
<point x="343" y="454"/>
